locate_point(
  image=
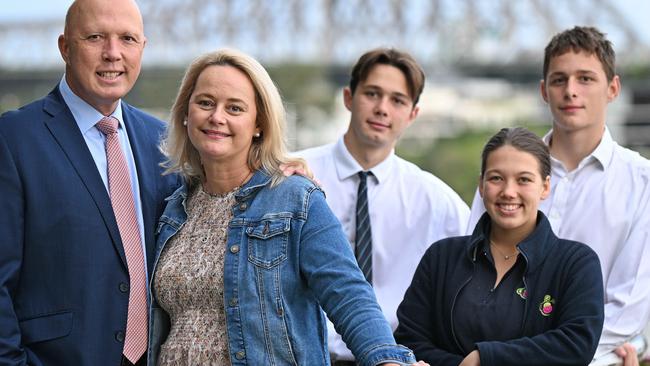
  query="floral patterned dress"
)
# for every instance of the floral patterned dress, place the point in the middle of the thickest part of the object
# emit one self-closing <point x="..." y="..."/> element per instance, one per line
<point x="189" y="283"/>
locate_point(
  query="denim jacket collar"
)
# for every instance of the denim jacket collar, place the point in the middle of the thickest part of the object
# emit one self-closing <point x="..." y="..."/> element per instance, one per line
<point x="179" y="193"/>
<point x="259" y="180"/>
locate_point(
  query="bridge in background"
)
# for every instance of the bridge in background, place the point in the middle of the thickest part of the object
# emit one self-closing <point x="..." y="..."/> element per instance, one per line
<point x="440" y="32"/>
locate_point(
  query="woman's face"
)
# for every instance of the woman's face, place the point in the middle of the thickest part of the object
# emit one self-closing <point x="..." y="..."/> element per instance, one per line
<point x="221" y="118"/>
<point x="512" y="188"/>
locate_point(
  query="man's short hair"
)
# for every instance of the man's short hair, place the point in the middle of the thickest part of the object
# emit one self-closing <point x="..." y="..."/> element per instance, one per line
<point x="388" y="56"/>
<point x="585" y="39"/>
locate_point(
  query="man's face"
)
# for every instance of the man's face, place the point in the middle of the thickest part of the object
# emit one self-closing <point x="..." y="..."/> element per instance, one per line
<point x="577" y="92"/>
<point x="380" y="107"/>
<point x="102" y="49"/>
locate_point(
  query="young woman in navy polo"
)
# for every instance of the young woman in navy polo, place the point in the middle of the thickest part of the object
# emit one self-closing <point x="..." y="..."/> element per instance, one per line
<point x="512" y="293"/>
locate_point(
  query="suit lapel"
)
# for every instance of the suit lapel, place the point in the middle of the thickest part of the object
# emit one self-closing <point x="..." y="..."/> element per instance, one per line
<point x="143" y="145"/>
<point x="66" y="133"/>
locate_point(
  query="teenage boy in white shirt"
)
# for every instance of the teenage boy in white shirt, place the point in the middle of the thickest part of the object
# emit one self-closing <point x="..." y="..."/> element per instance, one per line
<point x="600" y="191"/>
<point x="408" y="208"/>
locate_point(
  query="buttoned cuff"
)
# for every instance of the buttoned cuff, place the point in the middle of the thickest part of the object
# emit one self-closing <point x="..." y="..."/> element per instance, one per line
<point x="387" y="353"/>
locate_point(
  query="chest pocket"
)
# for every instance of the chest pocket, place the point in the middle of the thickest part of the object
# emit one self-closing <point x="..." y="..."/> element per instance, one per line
<point x="267" y="241"/>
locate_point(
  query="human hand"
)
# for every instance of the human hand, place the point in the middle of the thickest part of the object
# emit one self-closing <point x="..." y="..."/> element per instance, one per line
<point x="628" y="353"/>
<point x="473" y="359"/>
<point x="298" y="166"/>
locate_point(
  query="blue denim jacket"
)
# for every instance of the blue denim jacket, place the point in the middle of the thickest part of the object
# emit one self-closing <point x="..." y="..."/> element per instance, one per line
<point x="286" y="257"/>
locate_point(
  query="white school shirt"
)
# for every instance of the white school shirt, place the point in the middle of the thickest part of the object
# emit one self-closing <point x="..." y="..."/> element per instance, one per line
<point x="605" y="203"/>
<point x="409" y="210"/>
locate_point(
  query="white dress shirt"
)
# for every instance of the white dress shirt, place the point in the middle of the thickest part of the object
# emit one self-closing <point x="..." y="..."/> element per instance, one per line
<point x="409" y="210"/>
<point x="605" y="203"/>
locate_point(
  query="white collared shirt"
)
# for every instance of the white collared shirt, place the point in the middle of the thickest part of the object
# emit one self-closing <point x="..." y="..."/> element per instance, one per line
<point x="605" y="203"/>
<point x="409" y="210"/>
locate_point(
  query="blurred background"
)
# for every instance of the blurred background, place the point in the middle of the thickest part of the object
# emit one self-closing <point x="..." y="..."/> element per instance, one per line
<point x="483" y="60"/>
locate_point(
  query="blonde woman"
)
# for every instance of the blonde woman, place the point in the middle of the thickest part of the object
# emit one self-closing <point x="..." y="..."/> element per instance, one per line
<point x="246" y="257"/>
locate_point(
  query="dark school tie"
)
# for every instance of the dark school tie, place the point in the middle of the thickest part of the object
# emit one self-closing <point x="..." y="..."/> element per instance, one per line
<point x="363" y="241"/>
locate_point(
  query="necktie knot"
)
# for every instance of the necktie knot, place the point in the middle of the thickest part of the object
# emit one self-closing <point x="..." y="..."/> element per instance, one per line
<point x="107" y="125"/>
<point x="363" y="176"/>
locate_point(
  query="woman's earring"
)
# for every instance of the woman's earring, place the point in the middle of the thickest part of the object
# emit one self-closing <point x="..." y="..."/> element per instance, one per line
<point x="184" y="122"/>
<point x="257" y="135"/>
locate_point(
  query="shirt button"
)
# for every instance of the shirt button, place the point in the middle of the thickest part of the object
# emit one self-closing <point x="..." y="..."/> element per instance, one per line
<point x="240" y="355"/>
<point x="124" y="287"/>
<point x="119" y="336"/>
<point x="233" y="301"/>
<point x="243" y="206"/>
<point x="234" y="249"/>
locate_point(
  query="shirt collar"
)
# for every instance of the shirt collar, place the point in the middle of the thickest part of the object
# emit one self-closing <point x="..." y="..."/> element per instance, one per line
<point x="535" y="247"/>
<point x="84" y="114"/>
<point x="347" y="165"/>
<point x="602" y="153"/>
<point x="604" y="150"/>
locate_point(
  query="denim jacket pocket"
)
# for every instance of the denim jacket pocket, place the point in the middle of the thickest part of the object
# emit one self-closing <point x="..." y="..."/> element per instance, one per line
<point x="267" y="241"/>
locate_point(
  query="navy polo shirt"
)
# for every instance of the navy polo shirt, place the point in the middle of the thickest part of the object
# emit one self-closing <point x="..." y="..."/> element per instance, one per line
<point x="486" y="313"/>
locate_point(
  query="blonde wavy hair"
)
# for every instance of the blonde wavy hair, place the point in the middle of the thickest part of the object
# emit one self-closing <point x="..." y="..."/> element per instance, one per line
<point x="267" y="152"/>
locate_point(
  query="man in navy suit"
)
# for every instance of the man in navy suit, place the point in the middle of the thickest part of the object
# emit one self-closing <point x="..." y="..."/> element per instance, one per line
<point x="64" y="281"/>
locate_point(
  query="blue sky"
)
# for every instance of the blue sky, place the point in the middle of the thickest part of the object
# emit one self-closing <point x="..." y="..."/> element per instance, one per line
<point x="34" y="9"/>
<point x="49" y="9"/>
<point x="634" y="11"/>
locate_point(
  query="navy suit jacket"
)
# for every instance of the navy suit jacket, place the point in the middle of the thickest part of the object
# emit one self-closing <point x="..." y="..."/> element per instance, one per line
<point x="63" y="274"/>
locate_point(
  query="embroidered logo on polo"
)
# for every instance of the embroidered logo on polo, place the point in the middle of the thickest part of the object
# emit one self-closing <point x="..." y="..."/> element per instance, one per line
<point x="546" y="306"/>
<point x="522" y="292"/>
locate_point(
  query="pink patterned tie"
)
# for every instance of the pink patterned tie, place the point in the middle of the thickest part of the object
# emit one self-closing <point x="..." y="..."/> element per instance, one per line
<point x="119" y="183"/>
